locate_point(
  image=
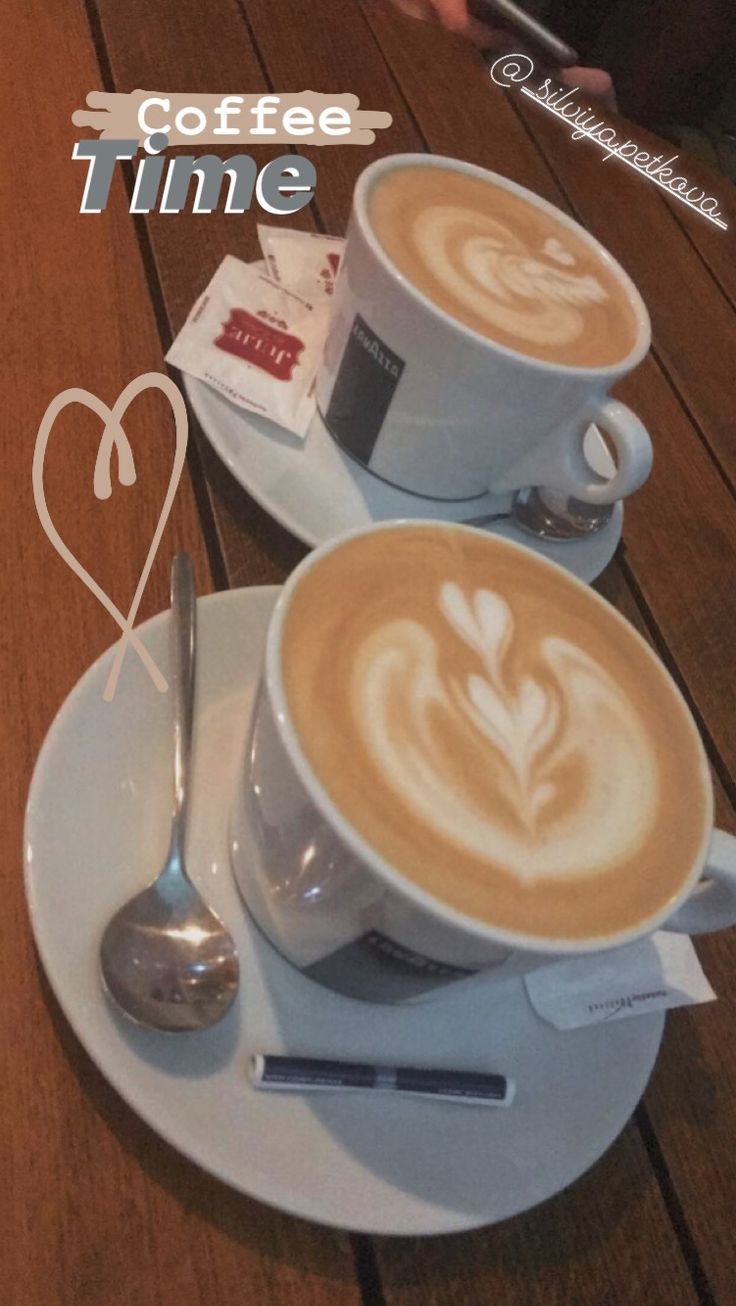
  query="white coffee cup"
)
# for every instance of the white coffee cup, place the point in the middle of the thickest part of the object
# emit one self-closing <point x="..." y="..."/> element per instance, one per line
<point x="335" y="908"/>
<point x="430" y="405"/>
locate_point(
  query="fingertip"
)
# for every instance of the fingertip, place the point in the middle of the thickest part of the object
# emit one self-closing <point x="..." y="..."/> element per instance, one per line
<point x="458" y="24"/>
<point x="481" y="36"/>
<point x="595" y="81"/>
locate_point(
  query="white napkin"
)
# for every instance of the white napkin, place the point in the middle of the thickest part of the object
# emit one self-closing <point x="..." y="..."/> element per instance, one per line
<point x="650" y="975"/>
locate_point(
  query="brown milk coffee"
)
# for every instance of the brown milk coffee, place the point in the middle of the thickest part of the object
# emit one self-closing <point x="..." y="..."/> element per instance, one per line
<point x="502" y="267"/>
<point x="495" y="731"/>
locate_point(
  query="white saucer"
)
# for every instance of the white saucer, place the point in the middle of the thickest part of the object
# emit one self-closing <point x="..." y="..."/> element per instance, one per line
<point x="97" y="827"/>
<point x="316" y="491"/>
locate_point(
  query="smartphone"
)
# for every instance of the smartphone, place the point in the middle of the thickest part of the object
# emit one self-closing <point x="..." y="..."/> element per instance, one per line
<point x="531" y="31"/>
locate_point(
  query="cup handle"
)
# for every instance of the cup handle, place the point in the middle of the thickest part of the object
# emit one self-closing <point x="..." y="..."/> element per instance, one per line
<point x="559" y="463"/>
<point x="633" y="452"/>
<point x="712" y="903"/>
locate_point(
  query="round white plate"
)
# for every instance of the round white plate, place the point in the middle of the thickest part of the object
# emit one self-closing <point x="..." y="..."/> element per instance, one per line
<point x="316" y="491"/>
<point x="97" y="829"/>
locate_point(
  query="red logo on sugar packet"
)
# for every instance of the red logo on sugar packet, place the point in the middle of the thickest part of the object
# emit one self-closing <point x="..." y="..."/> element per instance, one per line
<point x="329" y="273"/>
<point x="261" y="340"/>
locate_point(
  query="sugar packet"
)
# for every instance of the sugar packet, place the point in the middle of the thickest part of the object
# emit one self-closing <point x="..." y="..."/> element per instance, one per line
<point x="652" y="974"/>
<point x="303" y="260"/>
<point x="256" y="341"/>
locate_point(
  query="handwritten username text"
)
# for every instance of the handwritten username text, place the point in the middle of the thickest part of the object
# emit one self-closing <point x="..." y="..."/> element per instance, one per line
<point x="514" y="68"/>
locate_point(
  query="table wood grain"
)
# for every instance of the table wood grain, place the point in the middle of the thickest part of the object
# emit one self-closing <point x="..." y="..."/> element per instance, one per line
<point x="95" y="1208"/>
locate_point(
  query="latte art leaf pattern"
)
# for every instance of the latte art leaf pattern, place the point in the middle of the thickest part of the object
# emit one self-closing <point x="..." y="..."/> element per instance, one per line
<point x="478" y="260"/>
<point x="565" y="781"/>
<point x="555" y="250"/>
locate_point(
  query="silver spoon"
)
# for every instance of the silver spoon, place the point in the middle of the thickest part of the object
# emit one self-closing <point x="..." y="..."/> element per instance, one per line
<point x="167" y="959"/>
<point x="550" y="515"/>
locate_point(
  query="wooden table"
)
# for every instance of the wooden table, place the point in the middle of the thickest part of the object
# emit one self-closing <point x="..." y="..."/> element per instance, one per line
<point x="96" y="1211"/>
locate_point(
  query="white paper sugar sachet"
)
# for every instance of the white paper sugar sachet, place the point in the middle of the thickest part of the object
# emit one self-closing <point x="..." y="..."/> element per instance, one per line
<point x="256" y="341"/>
<point x="652" y="974"/>
<point x="305" y="261"/>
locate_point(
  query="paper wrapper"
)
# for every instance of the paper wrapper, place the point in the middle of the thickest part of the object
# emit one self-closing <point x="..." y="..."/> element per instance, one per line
<point x="652" y="974"/>
<point x="256" y="341"/>
<point x="305" y="261"/>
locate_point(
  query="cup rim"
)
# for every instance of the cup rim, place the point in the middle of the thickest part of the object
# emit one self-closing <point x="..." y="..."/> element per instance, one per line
<point x="390" y="162"/>
<point x="481" y="931"/>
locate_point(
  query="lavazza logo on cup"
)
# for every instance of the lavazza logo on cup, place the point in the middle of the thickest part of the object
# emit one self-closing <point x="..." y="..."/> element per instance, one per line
<point x="368" y="375"/>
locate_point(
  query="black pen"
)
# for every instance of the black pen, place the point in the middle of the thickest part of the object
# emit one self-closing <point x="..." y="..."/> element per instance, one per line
<point x="556" y="51"/>
<point x="277" y="1072"/>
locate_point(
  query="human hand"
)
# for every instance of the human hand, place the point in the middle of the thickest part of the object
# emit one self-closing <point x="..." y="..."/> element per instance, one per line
<point x="454" y="16"/>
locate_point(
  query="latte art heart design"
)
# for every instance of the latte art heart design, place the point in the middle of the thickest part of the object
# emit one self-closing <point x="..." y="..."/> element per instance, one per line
<point x="543" y="780"/>
<point x="114" y="438"/>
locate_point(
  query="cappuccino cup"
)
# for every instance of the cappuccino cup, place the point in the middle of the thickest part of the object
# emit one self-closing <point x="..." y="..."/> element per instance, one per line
<point x="475" y="333"/>
<point x="463" y="760"/>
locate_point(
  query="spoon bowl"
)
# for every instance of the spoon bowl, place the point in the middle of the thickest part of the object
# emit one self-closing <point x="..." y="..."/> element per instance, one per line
<point x="168" y="961"/>
<point x="550" y="516"/>
<point x="166" y="958"/>
<point x="554" y="516"/>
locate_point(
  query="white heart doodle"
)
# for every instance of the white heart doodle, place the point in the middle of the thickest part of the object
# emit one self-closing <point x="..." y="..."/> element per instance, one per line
<point x="113" y="436"/>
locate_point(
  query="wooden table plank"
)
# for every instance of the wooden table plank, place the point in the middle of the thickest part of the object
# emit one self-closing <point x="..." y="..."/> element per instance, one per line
<point x="692" y="319"/>
<point x="690" y="1101"/>
<point x="685" y="517"/>
<point x="295" y="52"/>
<point x="94" y="1209"/>
<point x="201" y="48"/>
<point x="716" y="247"/>
<point x="569" y="1250"/>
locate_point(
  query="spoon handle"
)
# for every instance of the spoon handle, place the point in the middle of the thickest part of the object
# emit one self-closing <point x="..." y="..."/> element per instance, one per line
<point x="485" y="518"/>
<point x="183" y="637"/>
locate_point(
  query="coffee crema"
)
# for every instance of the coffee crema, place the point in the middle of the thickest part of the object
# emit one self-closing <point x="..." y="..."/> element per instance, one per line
<point x="501" y="266"/>
<point x="500" y="737"/>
